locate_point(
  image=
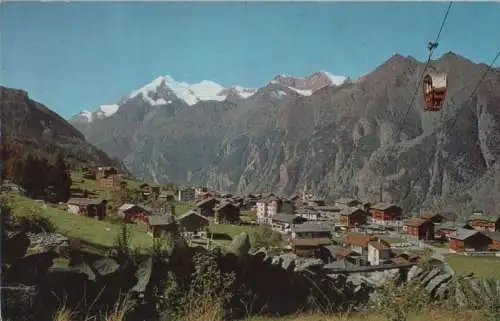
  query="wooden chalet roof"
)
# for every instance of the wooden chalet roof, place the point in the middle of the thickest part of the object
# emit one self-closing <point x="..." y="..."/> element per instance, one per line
<point x="482" y="217"/>
<point x="312" y="227"/>
<point x="495" y="236"/>
<point x="429" y="215"/>
<point x="191" y="213"/>
<point x="351" y="210"/>
<point x="312" y="241"/>
<point x="84" y="201"/>
<point x="383" y="206"/>
<point x="450" y="225"/>
<point x="414" y="222"/>
<point x="205" y="201"/>
<point x="462" y="234"/>
<point x="336" y="250"/>
<point x="358" y="239"/>
<point x="224" y="205"/>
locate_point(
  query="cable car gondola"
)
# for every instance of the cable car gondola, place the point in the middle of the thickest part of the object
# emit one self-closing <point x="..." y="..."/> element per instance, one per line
<point x="435" y="87"/>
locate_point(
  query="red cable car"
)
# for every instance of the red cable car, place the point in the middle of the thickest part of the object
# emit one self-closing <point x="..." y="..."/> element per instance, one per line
<point x="435" y="89"/>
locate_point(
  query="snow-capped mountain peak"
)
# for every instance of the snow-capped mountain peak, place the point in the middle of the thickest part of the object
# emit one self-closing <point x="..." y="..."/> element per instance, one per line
<point x="165" y="90"/>
<point x="106" y="110"/>
<point x="336" y="80"/>
<point x="307" y="85"/>
<point x="157" y="92"/>
<point x="85" y="115"/>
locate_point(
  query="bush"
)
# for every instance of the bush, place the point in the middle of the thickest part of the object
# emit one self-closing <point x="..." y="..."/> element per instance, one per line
<point x="264" y="237"/>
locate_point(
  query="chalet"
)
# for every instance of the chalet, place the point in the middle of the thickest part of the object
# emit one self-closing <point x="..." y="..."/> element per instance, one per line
<point x="312" y="230"/>
<point x="348" y="202"/>
<point x="482" y="222"/>
<point x="192" y="224"/>
<point x="386" y="214"/>
<point x="353" y="217"/>
<point x="159" y="224"/>
<point x="309" y="247"/>
<point x="227" y="213"/>
<point x="378" y="252"/>
<point x="133" y="213"/>
<point x="358" y="242"/>
<point x="419" y="228"/>
<point x="283" y="222"/>
<point x="89" y="207"/>
<point x="495" y="240"/>
<point x="464" y="240"/>
<point x="334" y="253"/>
<point x="446" y="229"/>
<point x="206" y="206"/>
<point x="166" y="196"/>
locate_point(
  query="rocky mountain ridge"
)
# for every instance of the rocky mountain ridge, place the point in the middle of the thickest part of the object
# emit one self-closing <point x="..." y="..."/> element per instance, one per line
<point x="38" y="129"/>
<point x="342" y="140"/>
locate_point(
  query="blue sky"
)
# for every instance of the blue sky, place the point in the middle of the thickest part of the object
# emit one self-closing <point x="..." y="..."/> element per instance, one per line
<point x="74" y="56"/>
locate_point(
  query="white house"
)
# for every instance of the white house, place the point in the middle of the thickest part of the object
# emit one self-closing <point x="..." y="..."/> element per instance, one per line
<point x="266" y="209"/>
<point x="378" y="252"/>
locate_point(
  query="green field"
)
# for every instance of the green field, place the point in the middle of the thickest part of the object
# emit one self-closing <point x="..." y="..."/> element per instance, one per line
<point x="481" y="266"/>
<point x="79" y="227"/>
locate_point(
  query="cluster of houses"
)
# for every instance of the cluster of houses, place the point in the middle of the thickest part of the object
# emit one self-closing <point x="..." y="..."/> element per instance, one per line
<point x="346" y="229"/>
<point x="351" y="229"/>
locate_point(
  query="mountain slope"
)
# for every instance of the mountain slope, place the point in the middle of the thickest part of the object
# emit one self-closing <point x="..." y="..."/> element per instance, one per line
<point x="343" y="139"/>
<point x="40" y="130"/>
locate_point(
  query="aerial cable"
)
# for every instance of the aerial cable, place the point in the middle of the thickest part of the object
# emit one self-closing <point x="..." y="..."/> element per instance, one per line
<point x="431" y="47"/>
<point x="490" y="67"/>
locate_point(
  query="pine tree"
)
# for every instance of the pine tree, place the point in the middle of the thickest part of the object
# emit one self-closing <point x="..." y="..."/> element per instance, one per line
<point x="61" y="179"/>
<point x="30" y="176"/>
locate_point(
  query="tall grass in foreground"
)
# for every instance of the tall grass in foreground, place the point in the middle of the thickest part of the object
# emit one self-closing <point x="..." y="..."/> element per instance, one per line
<point x="208" y="312"/>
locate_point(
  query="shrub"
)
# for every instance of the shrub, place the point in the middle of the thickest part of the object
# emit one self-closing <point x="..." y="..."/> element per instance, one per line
<point x="264" y="237"/>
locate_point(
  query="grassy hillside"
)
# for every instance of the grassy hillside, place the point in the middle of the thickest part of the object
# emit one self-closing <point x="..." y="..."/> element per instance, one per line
<point x="481" y="266"/>
<point x="76" y="226"/>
